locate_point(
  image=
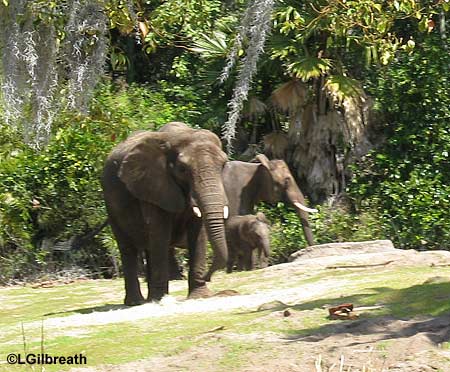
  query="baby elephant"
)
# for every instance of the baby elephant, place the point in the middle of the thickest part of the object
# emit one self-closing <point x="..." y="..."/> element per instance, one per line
<point x="244" y="235"/>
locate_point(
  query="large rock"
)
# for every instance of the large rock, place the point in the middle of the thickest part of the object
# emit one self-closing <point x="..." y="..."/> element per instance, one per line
<point x="340" y="249"/>
<point x="362" y="255"/>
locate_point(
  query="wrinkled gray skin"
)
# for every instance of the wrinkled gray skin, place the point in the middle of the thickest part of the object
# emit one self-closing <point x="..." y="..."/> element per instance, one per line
<point x="246" y="235"/>
<point x="247" y="184"/>
<point x="150" y="182"/>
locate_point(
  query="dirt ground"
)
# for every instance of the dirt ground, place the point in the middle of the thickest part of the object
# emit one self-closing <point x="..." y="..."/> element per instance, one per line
<point x="381" y="344"/>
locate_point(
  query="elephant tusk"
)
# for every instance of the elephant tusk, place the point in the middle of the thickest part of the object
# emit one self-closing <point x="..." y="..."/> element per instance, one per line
<point x="226" y="212"/>
<point x="306" y="209"/>
<point x="197" y="212"/>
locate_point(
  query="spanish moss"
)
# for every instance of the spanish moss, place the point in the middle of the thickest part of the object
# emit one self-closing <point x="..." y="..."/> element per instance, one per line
<point x="254" y="28"/>
<point x="41" y="70"/>
<point x="85" y="51"/>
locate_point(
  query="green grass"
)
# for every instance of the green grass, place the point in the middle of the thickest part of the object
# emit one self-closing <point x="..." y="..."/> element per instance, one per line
<point x="237" y="353"/>
<point x="401" y="291"/>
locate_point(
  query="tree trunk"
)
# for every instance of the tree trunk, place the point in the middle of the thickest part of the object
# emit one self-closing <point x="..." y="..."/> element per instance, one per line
<point x="323" y="145"/>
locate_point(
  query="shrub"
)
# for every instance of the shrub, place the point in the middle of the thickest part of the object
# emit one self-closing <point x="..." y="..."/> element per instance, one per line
<point x="408" y="178"/>
<point x="51" y="201"/>
<point x="331" y="224"/>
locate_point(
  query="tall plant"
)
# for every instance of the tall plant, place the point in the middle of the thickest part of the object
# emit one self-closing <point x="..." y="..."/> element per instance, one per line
<point x="253" y="32"/>
<point x="53" y="54"/>
<point x="321" y="43"/>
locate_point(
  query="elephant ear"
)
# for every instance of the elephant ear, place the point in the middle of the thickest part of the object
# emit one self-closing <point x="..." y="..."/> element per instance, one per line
<point x="261" y="158"/>
<point x="244" y="228"/>
<point x="260" y="216"/>
<point x="144" y="170"/>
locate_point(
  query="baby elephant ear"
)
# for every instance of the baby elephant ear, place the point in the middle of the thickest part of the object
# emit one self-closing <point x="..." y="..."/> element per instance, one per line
<point x="260" y="216"/>
<point x="144" y="170"/>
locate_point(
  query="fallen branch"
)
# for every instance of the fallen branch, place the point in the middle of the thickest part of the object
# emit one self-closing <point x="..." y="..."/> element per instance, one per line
<point x="359" y="266"/>
<point x="215" y="329"/>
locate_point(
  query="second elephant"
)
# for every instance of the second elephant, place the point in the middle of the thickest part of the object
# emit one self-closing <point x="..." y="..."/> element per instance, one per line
<point x="270" y="181"/>
<point x="247" y="235"/>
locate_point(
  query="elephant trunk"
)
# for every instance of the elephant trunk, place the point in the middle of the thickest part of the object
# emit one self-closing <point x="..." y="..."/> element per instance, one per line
<point x="266" y="246"/>
<point x="213" y="208"/>
<point x="306" y="227"/>
<point x="298" y="200"/>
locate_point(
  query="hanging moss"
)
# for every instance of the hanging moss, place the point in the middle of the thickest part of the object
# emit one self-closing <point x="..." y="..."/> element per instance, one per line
<point x="52" y="56"/>
<point x="254" y="29"/>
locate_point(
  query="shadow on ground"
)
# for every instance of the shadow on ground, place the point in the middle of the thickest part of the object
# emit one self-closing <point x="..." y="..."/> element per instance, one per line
<point x="436" y="329"/>
<point x="88" y="310"/>
<point x="405" y="312"/>
<point x="423" y="309"/>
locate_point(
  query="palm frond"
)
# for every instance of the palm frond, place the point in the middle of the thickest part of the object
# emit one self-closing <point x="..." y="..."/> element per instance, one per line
<point x="340" y="87"/>
<point x="212" y="46"/>
<point x="310" y="67"/>
<point x="290" y="96"/>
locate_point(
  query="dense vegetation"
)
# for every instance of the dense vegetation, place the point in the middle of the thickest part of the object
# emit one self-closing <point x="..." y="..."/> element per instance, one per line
<point x="50" y="200"/>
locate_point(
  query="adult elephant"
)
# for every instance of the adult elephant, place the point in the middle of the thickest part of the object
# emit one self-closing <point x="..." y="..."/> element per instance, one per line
<point x="247" y="184"/>
<point x="151" y="181"/>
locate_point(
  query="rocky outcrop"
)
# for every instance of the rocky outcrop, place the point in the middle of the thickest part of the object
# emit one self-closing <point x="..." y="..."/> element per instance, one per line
<point x="366" y="254"/>
<point x="339" y="249"/>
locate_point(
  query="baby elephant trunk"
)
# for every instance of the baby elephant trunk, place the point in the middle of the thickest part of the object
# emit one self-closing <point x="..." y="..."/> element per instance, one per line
<point x="265" y="245"/>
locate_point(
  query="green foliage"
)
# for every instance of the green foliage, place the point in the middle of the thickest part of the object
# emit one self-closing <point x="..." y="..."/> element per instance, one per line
<point x="333" y="39"/>
<point x="286" y="235"/>
<point x="330" y="225"/>
<point x="177" y="22"/>
<point x="310" y="67"/>
<point x="143" y="107"/>
<point x="53" y="195"/>
<point x="211" y="46"/>
<point x="408" y="179"/>
<point x="51" y="200"/>
<point x="341" y="86"/>
<point x="336" y="223"/>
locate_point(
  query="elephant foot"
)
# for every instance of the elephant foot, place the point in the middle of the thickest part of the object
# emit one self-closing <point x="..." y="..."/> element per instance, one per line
<point x="177" y="276"/>
<point x="207" y="277"/>
<point x="156" y="294"/>
<point x="200" y="292"/>
<point x="133" y="301"/>
<point x="226" y="293"/>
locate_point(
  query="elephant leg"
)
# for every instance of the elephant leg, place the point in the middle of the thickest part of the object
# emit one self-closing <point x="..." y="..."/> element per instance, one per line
<point x="240" y="262"/>
<point x="197" y="261"/>
<point x="158" y="285"/>
<point x="175" y="270"/>
<point x="248" y="259"/>
<point x="130" y="266"/>
<point x="230" y="263"/>
<point x="231" y="256"/>
<point x="264" y="262"/>
<point x="160" y="232"/>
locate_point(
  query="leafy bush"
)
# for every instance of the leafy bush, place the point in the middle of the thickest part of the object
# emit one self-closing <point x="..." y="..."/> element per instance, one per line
<point x="51" y="201"/>
<point x="408" y="178"/>
<point x="331" y="224"/>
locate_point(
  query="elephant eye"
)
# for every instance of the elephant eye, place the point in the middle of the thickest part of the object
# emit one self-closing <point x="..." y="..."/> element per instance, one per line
<point x="287" y="181"/>
<point x="182" y="168"/>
